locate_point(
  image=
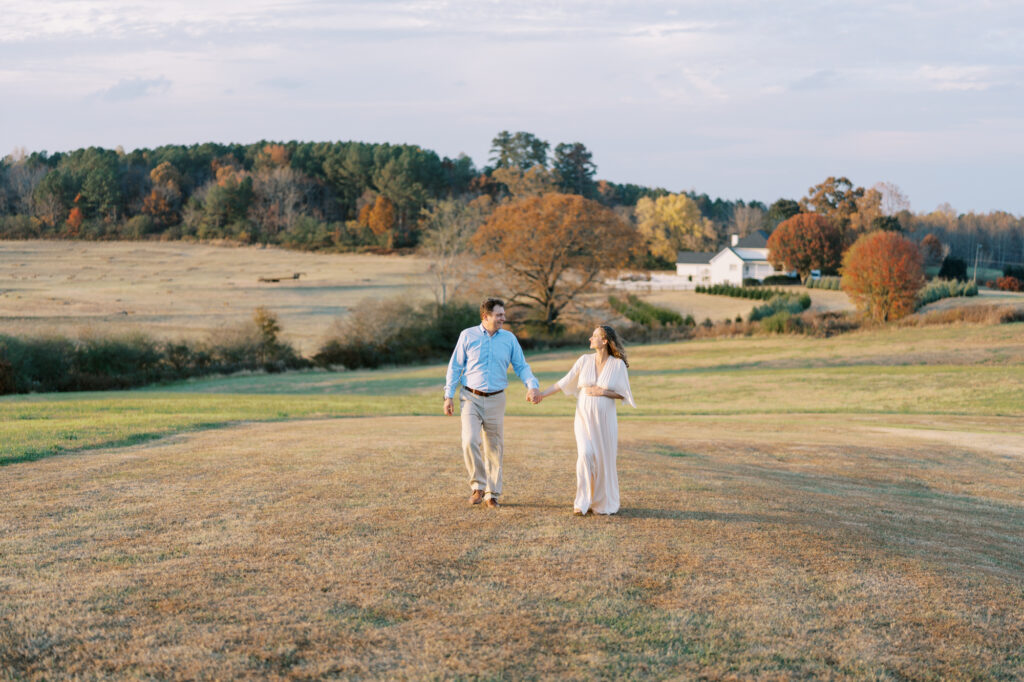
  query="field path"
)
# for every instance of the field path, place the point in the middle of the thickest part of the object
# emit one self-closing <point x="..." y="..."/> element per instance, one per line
<point x="822" y="546"/>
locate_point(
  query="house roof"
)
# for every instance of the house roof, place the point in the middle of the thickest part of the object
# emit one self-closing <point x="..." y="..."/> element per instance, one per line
<point x="694" y="257"/>
<point x="746" y="255"/>
<point x="758" y="239"/>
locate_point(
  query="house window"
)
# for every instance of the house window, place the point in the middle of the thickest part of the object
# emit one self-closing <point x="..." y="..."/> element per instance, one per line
<point x="732" y="267"/>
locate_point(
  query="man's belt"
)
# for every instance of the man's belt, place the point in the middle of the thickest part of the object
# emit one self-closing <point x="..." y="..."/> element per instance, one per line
<point x="481" y="393"/>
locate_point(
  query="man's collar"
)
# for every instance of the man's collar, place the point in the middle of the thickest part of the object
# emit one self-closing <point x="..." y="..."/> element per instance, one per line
<point x="484" y="330"/>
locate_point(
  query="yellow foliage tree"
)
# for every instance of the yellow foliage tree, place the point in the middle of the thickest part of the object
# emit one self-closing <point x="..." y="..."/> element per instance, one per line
<point x="673" y="223"/>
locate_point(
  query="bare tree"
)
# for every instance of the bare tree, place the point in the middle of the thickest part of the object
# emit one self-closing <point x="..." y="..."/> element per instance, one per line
<point x="280" y="196"/>
<point x="447" y="228"/>
<point x="893" y="200"/>
<point x="22" y="180"/>
<point x="746" y="219"/>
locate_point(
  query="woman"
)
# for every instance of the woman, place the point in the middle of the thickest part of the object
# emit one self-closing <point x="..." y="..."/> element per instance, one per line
<point x="598" y="379"/>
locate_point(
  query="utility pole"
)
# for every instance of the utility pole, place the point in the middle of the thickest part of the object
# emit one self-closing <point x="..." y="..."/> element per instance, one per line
<point x="977" y="252"/>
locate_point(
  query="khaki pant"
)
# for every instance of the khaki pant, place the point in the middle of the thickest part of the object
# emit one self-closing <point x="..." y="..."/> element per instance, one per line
<point x="483" y="423"/>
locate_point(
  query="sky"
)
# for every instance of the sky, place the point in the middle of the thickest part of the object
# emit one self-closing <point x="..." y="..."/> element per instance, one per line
<point x="740" y="99"/>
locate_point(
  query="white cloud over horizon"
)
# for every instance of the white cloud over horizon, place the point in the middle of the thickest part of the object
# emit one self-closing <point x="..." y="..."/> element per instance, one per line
<point x="739" y="99"/>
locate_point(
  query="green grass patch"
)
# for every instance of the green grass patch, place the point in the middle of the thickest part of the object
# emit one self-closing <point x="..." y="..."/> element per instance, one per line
<point x="960" y="370"/>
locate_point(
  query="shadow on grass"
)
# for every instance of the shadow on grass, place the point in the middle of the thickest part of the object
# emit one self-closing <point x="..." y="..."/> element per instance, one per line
<point x="687" y="515"/>
<point x="127" y="441"/>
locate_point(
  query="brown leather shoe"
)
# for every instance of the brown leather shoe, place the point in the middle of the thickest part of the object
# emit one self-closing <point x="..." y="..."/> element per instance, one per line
<point x="492" y="503"/>
<point x="477" y="497"/>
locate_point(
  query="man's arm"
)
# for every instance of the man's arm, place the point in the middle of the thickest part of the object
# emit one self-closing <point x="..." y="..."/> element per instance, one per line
<point x="522" y="370"/>
<point x="456" y="366"/>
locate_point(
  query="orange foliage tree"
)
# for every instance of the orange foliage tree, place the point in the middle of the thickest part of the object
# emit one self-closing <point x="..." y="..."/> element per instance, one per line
<point x="272" y="156"/>
<point x="549" y="249"/>
<point x="381" y="217"/>
<point x="882" y="273"/>
<point x="932" y="249"/>
<point x="164" y="199"/>
<point x="75" y="218"/>
<point x="805" y="242"/>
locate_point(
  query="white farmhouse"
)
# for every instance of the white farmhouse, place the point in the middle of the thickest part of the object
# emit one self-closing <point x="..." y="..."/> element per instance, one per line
<point x="694" y="266"/>
<point x="745" y="258"/>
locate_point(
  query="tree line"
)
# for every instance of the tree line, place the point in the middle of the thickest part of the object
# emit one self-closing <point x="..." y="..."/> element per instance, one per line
<point x="357" y="195"/>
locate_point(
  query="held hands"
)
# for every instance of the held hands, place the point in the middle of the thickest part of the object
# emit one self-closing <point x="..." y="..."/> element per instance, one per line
<point x="534" y="396"/>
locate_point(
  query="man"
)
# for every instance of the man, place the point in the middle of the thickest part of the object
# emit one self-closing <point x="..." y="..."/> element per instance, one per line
<point x="480" y="366"/>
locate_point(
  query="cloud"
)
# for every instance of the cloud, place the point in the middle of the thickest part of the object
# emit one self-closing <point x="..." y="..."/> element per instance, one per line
<point x="134" y="88"/>
<point x="283" y="83"/>
<point x="819" y="80"/>
<point x="957" y="78"/>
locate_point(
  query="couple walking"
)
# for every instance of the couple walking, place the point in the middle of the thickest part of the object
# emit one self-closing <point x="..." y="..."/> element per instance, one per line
<point x="480" y="365"/>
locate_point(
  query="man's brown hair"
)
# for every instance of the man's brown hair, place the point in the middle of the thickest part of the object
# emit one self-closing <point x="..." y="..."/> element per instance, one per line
<point x="488" y="306"/>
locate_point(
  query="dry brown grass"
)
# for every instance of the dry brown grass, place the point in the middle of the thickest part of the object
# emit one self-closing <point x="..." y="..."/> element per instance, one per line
<point x="825" y="547"/>
<point x="969" y="314"/>
<point x="716" y="308"/>
<point x="181" y="290"/>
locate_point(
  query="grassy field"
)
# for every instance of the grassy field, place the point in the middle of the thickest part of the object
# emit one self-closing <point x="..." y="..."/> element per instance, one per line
<point x="791" y="508"/>
<point x="181" y="290"/>
<point x="717" y="308"/>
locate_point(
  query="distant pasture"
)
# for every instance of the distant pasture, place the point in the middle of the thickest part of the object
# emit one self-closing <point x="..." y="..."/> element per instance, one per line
<point x="179" y="290"/>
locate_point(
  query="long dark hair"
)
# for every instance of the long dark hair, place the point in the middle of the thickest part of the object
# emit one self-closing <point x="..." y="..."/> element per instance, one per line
<point x="615" y="348"/>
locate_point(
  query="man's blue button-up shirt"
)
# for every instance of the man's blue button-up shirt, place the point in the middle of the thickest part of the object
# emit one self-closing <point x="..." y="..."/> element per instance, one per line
<point x="481" y="361"/>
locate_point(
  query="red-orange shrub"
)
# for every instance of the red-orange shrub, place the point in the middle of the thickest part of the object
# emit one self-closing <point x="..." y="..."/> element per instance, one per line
<point x="882" y="273"/>
<point x="806" y="242"/>
<point x="1006" y="284"/>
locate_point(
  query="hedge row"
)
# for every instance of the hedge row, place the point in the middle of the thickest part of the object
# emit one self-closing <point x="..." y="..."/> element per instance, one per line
<point x="47" y="364"/>
<point x="757" y="293"/>
<point x="646" y="314"/>
<point x="824" y="282"/>
<point x="939" y="289"/>
<point x="791" y="304"/>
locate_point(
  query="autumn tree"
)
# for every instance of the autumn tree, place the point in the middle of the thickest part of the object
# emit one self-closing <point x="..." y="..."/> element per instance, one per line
<point x="519" y="183"/>
<point x="932" y="249"/>
<point x="552" y="248"/>
<point x="882" y="273"/>
<point x="835" y="198"/>
<point x="163" y="202"/>
<point x="672" y="223"/>
<point x="226" y="202"/>
<point x="271" y="156"/>
<point x="74" y="221"/>
<point x="868" y="214"/>
<point x="381" y="218"/>
<point x="805" y="242"/>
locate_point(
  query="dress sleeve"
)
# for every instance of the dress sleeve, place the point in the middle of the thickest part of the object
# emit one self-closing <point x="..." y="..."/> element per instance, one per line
<point x="619" y="382"/>
<point x="570" y="382"/>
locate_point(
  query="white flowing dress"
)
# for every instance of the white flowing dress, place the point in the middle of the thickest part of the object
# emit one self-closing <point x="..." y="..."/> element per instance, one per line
<point x="597" y="431"/>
